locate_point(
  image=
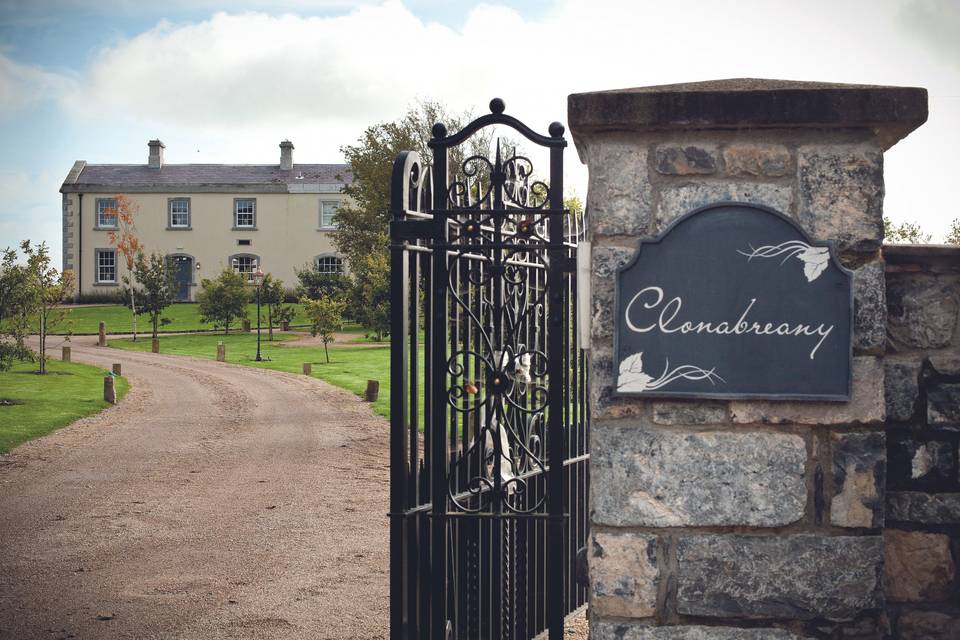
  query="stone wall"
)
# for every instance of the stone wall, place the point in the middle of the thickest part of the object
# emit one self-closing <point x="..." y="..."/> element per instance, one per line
<point x="922" y="388"/>
<point x="739" y="519"/>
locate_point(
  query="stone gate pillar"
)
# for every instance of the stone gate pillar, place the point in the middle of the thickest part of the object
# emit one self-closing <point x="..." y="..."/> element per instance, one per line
<point x="739" y="519"/>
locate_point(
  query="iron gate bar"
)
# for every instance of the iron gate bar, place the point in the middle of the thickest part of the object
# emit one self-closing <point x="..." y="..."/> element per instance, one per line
<point x="487" y="510"/>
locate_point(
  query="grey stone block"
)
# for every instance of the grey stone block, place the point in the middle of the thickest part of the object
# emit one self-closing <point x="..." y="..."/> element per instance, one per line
<point x="677" y="200"/>
<point x="929" y="460"/>
<point x="869" y="308"/>
<point x="603" y="283"/>
<point x="921" y="311"/>
<point x="757" y="159"/>
<point x="690" y="412"/>
<point x="926" y="508"/>
<point x="841" y="194"/>
<point x="901" y="388"/>
<point x="623" y="574"/>
<point x="665" y="478"/>
<point x="618" y="193"/>
<point x="859" y="479"/>
<point x="928" y="625"/>
<point x="602" y="630"/>
<point x="793" y="577"/>
<point x="943" y="404"/>
<point x="686" y="159"/>
<point x="866" y="403"/>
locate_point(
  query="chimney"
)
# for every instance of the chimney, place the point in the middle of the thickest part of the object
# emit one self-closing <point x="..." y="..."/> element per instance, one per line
<point x="286" y="155"/>
<point x="155" y="159"/>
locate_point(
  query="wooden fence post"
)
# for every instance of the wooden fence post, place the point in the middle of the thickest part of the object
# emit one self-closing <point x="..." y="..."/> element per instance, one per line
<point x="155" y="345"/>
<point x="307" y="368"/>
<point x="109" y="392"/>
<point x="116" y="368"/>
<point x="65" y="354"/>
<point x="102" y="340"/>
<point x="221" y="352"/>
<point x="373" y="391"/>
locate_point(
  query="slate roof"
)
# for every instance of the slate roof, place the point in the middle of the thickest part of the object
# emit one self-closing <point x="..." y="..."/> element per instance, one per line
<point x="203" y="177"/>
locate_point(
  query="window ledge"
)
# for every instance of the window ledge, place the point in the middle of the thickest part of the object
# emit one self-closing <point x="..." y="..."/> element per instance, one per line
<point x="106" y="284"/>
<point x="99" y="228"/>
<point x="243" y="228"/>
<point x="169" y="228"/>
<point x="326" y="228"/>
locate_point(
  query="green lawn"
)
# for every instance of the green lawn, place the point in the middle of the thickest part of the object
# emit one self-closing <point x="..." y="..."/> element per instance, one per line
<point x="119" y="319"/>
<point x="68" y="391"/>
<point x="349" y="367"/>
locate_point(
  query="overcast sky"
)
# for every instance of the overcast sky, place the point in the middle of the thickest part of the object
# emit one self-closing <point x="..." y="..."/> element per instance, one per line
<point x="226" y="81"/>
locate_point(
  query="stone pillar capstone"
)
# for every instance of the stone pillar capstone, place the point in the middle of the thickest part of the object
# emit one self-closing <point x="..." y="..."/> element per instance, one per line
<point x="762" y="517"/>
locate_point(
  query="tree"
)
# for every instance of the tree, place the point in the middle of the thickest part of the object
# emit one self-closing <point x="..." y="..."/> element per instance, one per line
<point x="128" y="245"/>
<point x="272" y="294"/>
<point x="223" y="300"/>
<point x="15" y="304"/>
<point x="905" y="232"/>
<point x="371" y="293"/>
<point x="316" y="285"/>
<point x="953" y="236"/>
<point x="326" y="318"/>
<point x="152" y="288"/>
<point x="46" y="288"/>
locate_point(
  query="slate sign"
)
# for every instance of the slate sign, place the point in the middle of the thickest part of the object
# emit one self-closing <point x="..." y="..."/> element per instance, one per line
<point x="734" y="301"/>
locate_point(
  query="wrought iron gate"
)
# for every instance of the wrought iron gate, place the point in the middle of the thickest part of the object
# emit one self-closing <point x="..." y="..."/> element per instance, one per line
<point x="489" y="420"/>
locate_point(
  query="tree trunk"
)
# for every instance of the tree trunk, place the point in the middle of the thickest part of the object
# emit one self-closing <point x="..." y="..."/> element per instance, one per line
<point x="326" y="352"/>
<point x="270" y="321"/>
<point x="133" y="308"/>
<point x="43" y="341"/>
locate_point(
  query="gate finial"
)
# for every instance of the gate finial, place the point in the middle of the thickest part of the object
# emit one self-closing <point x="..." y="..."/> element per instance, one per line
<point x="497" y="106"/>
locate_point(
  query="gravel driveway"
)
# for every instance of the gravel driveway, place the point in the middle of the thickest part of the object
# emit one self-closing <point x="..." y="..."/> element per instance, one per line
<point x="216" y="501"/>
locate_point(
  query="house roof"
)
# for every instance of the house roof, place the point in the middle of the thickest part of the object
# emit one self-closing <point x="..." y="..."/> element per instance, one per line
<point x="234" y="178"/>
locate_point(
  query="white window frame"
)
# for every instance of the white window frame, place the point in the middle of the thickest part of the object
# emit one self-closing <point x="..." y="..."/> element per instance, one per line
<point x="102" y="206"/>
<point x="252" y="213"/>
<point x="98" y="255"/>
<point x="332" y="222"/>
<point x="317" y="261"/>
<point x="170" y="213"/>
<point x="254" y="262"/>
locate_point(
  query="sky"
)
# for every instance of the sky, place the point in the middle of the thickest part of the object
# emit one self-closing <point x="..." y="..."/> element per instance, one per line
<point x="227" y="81"/>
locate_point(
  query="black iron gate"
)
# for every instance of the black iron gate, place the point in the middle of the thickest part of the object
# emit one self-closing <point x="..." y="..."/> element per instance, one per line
<point x="489" y="419"/>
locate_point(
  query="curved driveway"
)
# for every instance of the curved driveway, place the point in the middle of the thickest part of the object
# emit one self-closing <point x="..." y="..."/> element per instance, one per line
<point x="215" y="501"/>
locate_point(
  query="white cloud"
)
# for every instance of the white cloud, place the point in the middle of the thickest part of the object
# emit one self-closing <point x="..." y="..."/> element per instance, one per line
<point x="22" y="86"/>
<point x="232" y="86"/>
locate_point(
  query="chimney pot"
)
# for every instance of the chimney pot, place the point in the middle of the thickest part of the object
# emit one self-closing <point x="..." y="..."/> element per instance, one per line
<point x="155" y="159"/>
<point x="286" y="155"/>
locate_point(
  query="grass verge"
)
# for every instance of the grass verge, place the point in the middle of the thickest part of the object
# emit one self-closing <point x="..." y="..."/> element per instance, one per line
<point x="349" y="367"/>
<point x="68" y="392"/>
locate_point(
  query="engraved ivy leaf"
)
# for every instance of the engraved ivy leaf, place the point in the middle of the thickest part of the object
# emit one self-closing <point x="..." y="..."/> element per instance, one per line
<point x="815" y="261"/>
<point x="631" y="376"/>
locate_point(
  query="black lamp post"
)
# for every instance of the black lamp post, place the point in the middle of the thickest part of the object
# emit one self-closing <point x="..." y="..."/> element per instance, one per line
<point x="258" y="281"/>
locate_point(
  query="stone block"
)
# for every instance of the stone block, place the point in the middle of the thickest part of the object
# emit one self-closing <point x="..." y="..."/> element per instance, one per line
<point x="943" y="404"/>
<point x="859" y="478"/>
<point x="690" y="412"/>
<point x="602" y="630"/>
<point x="917" y="566"/>
<point x="901" y="388"/>
<point x="929" y="461"/>
<point x="686" y="159"/>
<point x="926" y="508"/>
<point x="869" y="308"/>
<point x="618" y="192"/>
<point x="603" y="284"/>
<point x="623" y="574"/>
<point x="664" y="478"/>
<point x="841" y="194"/>
<point x="928" y="625"/>
<point x="796" y="577"/>
<point x="757" y="159"/>
<point x="866" y="403"/>
<point x="947" y="364"/>
<point x="677" y="200"/>
<point x="921" y="312"/>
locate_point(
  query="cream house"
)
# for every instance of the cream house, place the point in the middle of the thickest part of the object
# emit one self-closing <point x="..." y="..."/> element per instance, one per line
<point x="204" y="217"/>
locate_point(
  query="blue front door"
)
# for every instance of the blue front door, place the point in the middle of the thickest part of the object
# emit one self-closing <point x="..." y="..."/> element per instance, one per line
<point x="183" y="276"/>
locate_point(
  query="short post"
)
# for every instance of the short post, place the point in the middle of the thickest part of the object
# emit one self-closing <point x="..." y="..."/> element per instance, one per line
<point x="373" y="391"/>
<point x="284" y="325"/>
<point x="65" y="354"/>
<point x="109" y="392"/>
<point x="155" y="345"/>
<point x="116" y="369"/>
<point x="221" y="352"/>
<point x="102" y="340"/>
<point x="307" y="368"/>
<point x="246" y="326"/>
